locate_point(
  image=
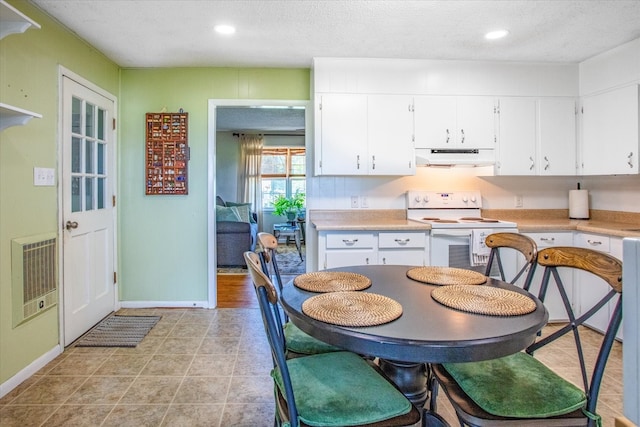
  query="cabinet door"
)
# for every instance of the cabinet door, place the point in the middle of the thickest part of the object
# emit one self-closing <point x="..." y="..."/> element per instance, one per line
<point x="435" y="121"/>
<point x="475" y="122"/>
<point x="553" y="300"/>
<point x="338" y="258"/>
<point x="590" y="289"/>
<point x="390" y="131"/>
<point x="557" y="136"/>
<point x="517" y="137"/>
<point x="343" y="134"/>
<point x="415" y="257"/>
<point x="610" y="132"/>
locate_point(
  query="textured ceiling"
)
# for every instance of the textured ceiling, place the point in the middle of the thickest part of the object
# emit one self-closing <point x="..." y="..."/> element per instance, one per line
<point x="288" y="33"/>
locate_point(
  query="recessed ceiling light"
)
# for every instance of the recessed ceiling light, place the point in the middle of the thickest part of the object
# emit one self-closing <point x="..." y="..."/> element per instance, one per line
<point x="497" y="34"/>
<point x="224" y="29"/>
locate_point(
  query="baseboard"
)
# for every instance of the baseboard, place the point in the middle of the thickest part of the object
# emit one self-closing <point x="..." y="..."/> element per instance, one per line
<point x="28" y="371"/>
<point x="164" y="304"/>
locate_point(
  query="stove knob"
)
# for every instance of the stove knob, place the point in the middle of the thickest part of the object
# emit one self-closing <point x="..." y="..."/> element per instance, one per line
<point x="417" y="198"/>
<point x="426" y="199"/>
<point x="473" y="199"/>
<point x="465" y="199"/>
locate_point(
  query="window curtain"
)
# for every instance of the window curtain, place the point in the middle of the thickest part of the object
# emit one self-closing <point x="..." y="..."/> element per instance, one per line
<point x="249" y="188"/>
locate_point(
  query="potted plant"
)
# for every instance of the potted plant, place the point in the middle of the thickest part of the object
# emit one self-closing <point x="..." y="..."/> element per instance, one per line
<point x="289" y="206"/>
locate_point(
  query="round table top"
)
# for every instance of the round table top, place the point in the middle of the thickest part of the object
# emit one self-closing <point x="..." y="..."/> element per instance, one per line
<point x="427" y="331"/>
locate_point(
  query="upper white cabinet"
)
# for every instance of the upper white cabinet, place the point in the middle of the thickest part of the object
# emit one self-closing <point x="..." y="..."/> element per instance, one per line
<point x="389" y="130"/>
<point x="364" y="134"/>
<point x="536" y="136"/>
<point x="12" y="21"/>
<point x="454" y="122"/>
<point x="610" y="139"/>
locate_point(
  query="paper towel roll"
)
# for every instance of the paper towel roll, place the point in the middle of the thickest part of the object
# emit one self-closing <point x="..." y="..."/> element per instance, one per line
<point x="578" y="204"/>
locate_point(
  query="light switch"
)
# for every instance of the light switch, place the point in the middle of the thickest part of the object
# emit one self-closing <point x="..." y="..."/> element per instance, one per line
<point x="44" y="177"/>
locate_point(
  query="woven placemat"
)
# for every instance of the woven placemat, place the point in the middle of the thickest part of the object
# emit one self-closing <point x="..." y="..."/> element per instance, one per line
<point x="331" y="281"/>
<point x="446" y="276"/>
<point x="484" y="300"/>
<point x="352" y="308"/>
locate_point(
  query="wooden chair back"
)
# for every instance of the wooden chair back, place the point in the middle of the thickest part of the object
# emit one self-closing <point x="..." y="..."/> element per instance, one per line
<point x="519" y="242"/>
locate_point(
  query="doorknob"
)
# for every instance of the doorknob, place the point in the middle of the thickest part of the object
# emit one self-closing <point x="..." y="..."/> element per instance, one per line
<point x="71" y="225"/>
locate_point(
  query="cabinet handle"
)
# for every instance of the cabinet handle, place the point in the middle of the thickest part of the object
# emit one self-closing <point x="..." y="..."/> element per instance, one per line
<point x="367" y="261"/>
<point x="462" y="136"/>
<point x="547" y="165"/>
<point x="373" y="162"/>
<point x="384" y="260"/>
<point x="629" y="161"/>
<point x="349" y="241"/>
<point x="532" y="163"/>
<point x="594" y="242"/>
<point x="358" y="161"/>
<point x="402" y="241"/>
<point x="448" y="136"/>
<point x="548" y="239"/>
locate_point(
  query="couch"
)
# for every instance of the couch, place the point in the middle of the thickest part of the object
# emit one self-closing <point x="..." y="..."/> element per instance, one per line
<point x="236" y="232"/>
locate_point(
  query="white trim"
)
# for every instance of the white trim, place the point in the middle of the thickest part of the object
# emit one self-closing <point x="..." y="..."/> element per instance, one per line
<point x="29" y="370"/>
<point x="62" y="73"/>
<point x="164" y="304"/>
<point x="213" y="104"/>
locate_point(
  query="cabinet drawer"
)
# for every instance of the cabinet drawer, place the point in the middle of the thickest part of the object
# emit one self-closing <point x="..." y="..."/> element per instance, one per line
<point x="546" y="240"/>
<point x="593" y="241"/>
<point x="350" y="240"/>
<point x="337" y="259"/>
<point x="401" y="240"/>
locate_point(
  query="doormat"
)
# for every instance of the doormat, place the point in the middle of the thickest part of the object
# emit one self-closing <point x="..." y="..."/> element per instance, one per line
<point x="119" y="331"/>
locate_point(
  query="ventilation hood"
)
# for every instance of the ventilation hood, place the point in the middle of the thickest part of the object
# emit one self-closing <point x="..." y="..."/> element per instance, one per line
<point x="454" y="157"/>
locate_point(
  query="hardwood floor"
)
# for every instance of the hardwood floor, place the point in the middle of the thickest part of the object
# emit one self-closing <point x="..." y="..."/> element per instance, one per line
<point x="236" y="291"/>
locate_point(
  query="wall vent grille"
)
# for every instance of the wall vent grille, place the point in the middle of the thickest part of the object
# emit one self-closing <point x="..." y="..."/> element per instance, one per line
<point x="34" y="276"/>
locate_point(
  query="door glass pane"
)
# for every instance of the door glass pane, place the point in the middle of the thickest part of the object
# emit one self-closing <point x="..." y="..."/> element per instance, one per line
<point x="76" y="155"/>
<point x="88" y="192"/>
<point x="101" y="159"/>
<point x="101" y="189"/>
<point x="90" y="118"/>
<point x="76" y="115"/>
<point x="88" y="154"/>
<point x="76" y="200"/>
<point x="101" y="117"/>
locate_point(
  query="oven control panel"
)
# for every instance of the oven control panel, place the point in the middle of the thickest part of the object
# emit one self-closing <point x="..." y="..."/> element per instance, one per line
<point x="419" y="199"/>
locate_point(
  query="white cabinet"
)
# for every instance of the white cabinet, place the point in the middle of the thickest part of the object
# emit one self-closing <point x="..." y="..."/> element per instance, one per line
<point x="343" y="248"/>
<point x="402" y="248"/>
<point x="536" y="136"/>
<point x="12" y="21"/>
<point x="591" y="289"/>
<point x="553" y="300"/>
<point x="610" y="139"/>
<point x="390" y="135"/>
<point x="454" y="122"/>
<point x="364" y="134"/>
<point x="341" y="134"/>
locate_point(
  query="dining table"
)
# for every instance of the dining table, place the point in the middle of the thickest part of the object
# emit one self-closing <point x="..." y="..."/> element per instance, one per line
<point x="426" y="331"/>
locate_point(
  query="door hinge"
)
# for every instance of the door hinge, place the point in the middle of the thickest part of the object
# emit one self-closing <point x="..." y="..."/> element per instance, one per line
<point x="115" y="278"/>
<point x="114" y="124"/>
<point x="113" y="201"/>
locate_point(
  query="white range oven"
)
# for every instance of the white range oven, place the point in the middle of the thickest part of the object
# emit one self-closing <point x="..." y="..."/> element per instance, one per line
<point x="458" y="230"/>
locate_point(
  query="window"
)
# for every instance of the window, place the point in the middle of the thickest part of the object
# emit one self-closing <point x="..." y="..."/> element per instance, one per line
<point x="283" y="173"/>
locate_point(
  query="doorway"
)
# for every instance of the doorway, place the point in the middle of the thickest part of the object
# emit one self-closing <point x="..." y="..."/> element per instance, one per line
<point x="215" y="108"/>
<point x="87" y="194"/>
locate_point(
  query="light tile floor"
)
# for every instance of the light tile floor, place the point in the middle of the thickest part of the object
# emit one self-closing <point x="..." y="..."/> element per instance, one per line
<point x="197" y="367"/>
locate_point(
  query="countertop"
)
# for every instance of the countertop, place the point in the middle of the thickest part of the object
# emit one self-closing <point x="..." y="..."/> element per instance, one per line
<point x="611" y="223"/>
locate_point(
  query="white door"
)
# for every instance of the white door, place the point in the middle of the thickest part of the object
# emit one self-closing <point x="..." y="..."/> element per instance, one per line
<point x="88" y="214"/>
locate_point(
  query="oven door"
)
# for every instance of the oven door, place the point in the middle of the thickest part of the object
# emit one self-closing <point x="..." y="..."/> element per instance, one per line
<point x="452" y="248"/>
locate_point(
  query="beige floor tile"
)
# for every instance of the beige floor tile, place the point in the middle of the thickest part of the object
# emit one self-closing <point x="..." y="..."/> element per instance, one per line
<point x="248" y="415"/>
<point x="152" y="390"/>
<point x="168" y="365"/>
<point x="50" y="389"/>
<point x="123" y="364"/>
<point x="250" y="390"/>
<point x="194" y="415"/>
<point x="172" y="345"/>
<point x="189" y="330"/>
<point x="101" y="390"/>
<point x="217" y="365"/>
<point x="219" y="345"/>
<point x="136" y="416"/>
<point x="79" y="364"/>
<point x="25" y="415"/>
<point x="203" y="390"/>
<point x="79" y="415"/>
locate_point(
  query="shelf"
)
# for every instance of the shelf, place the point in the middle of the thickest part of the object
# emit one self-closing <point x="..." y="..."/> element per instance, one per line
<point x="14" y="116"/>
<point x="12" y="21"/>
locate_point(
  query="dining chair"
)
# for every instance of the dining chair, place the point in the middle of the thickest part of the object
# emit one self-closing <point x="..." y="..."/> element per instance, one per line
<point x="298" y="343"/>
<point x="519" y="242"/>
<point x="330" y="389"/>
<point x="519" y="390"/>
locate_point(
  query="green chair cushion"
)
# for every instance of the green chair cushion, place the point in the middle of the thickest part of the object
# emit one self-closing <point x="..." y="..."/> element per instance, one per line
<point x="341" y="389"/>
<point x="517" y="386"/>
<point x="303" y="343"/>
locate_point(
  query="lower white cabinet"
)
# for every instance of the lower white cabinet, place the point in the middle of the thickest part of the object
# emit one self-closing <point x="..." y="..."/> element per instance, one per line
<point x="553" y="300"/>
<point x="343" y="248"/>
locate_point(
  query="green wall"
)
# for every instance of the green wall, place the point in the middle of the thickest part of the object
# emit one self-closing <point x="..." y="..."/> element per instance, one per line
<point x="29" y="80"/>
<point x="162" y="240"/>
